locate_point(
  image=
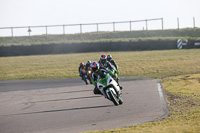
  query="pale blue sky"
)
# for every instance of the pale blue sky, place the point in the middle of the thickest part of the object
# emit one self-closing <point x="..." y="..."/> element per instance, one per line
<point x="57" y="12"/>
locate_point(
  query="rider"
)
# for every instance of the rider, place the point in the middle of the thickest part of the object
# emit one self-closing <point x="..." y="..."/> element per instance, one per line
<point x="109" y="58"/>
<point x="98" y="70"/>
<point x="104" y="63"/>
<point x="82" y="66"/>
<point x="88" y="67"/>
<point x="88" y="64"/>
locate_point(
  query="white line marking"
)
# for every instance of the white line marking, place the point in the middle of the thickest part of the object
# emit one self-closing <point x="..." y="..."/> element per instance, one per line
<point x="163" y="101"/>
<point x="160" y="91"/>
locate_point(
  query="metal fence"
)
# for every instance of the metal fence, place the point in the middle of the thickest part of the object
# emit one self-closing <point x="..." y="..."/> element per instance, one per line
<point x="80" y="26"/>
<point x="44" y="30"/>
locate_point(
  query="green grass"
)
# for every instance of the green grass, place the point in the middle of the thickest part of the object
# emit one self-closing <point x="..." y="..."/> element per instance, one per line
<point x="182" y="92"/>
<point x="104" y="37"/>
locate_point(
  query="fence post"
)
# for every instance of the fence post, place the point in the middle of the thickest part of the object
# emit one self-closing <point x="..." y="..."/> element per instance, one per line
<point x="162" y="24"/>
<point x="63" y="29"/>
<point x="29" y="31"/>
<point x="130" y="26"/>
<point x="194" y="22"/>
<point x="113" y="26"/>
<point x="97" y="28"/>
<point x="146" y="25"/>
<point x="46" y="31"/>
<point x="178" y="23"/>
<point x="81" y="28"/>
<point x="12" y="31"/>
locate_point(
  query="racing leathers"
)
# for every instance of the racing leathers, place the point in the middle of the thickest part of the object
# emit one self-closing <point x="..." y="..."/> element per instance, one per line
<point x="106" y="65"/>
<point x="87" y="67"/>
<point x="112" y="62"/>
<point x="95" y="76"/>
<point x="81" y="72"/>
<point x="98" y="73"/>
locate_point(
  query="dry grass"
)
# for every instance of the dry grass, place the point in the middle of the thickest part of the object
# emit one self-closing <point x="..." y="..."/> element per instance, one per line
<point x="157" y="64"/>
<point x="184" y="108"/>
<point x="182" y="92"/>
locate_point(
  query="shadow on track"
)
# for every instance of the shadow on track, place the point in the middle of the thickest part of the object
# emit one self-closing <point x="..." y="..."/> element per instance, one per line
<point x="61" y="110"/>
<point x="68" y="92"/>
<point x="76" y="98"/>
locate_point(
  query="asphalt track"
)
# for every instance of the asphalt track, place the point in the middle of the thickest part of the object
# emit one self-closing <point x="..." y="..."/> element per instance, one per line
<point x="68" y="105"/>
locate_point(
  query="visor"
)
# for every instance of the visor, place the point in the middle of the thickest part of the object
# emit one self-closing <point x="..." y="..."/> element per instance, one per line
<point x="103" y="61"/>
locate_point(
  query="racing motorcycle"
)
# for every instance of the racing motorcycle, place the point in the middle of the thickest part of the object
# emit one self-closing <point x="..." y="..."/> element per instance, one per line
<point x="84" y="75"/>
<point x="89" y="74"/>
<point x="109" y="88"/>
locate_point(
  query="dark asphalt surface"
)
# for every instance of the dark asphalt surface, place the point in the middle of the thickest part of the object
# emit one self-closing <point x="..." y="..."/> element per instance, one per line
<point x="68" y="105"/>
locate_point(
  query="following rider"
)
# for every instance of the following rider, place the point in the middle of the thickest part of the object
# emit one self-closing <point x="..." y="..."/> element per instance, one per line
<point x="88" y="70"/>
<point x="109" y="58"/>
<point x="81" y="67"/>
<point x="87" y="66"/>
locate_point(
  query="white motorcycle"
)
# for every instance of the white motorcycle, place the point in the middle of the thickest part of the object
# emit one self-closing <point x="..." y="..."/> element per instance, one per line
<point x="109" y="88"/>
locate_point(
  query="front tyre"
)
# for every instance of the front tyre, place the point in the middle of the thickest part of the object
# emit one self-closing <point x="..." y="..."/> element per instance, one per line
<point x="114" y="98"/>
<point x="120" y="100"/>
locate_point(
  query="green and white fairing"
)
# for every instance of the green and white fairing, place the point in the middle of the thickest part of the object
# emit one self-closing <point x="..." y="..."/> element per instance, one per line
<point x="109" y="88"/>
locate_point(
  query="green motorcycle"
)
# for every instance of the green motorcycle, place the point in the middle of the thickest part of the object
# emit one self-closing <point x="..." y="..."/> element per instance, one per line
<point x="109" y="88"/>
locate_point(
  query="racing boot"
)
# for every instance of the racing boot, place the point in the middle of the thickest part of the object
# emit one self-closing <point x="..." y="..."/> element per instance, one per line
<point x="119" y="84"/>
<point x="120" y="87"/>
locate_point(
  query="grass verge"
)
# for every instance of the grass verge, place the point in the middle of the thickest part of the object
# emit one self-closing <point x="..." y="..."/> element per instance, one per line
<point x="157" y="64"/>
<point x="182" y="92"/>
<point x="183" y="97"/>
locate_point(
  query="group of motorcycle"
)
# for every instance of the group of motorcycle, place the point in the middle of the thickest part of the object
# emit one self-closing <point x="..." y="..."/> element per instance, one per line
<point x="106" y="83"/>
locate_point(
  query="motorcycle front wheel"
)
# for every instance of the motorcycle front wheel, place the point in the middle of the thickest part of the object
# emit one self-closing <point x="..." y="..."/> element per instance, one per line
<point x="114" y="98"/>
<point x="120" y="100"/>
